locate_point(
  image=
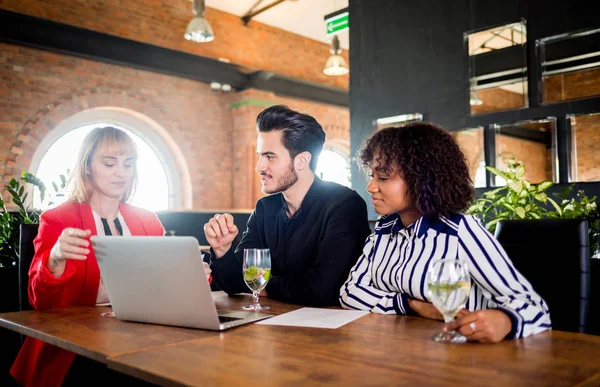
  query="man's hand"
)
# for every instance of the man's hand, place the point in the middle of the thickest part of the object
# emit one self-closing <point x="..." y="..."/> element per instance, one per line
<point x="220" y="232"/>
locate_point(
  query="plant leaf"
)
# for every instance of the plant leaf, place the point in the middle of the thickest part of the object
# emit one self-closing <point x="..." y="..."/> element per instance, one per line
<point x="516" y="186"/>
<point x="520" y="172"/>
<point x="498" y="173"/>
<point x="544" y="185"/>
<point x="55" y="187"/>
<point x="508" y="206"/>
<point x="565" y="192"/>
<point x="542" y="197"/>
<point x="491" y="194"/>
<point x="520" y="211"/>
<point x="556" y="207"/>
<point x="492" y="224"/>
<point x="13" y="193"/>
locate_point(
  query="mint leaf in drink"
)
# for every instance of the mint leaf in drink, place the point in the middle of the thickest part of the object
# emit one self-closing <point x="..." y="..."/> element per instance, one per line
<point x="251" y="273"/>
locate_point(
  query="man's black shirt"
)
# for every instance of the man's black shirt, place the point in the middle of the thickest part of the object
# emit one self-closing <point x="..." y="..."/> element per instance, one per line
<point x="311" y="252"/>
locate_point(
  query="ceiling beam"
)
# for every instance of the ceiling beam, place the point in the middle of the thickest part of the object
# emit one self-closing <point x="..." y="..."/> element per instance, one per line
<point x="251" y="13"/>
<point x="280" y="85"/>
<point x="44" y="34"/>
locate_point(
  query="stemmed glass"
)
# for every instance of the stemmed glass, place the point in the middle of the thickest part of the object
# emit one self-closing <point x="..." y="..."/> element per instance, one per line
<point x="257" y="272"/>
<point x="596" y="253"/>
<point x="448" y="285"/>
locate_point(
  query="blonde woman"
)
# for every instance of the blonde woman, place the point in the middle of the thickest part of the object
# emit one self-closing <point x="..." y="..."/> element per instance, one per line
<point x="64" y="271"/>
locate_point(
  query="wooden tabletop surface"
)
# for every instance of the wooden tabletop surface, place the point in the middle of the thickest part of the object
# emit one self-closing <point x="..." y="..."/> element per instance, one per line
<point x="373" y="350"/>
<point x="83" y="331"/>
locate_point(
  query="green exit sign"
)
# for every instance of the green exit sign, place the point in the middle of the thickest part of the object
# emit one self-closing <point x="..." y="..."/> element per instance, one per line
<point x="336" y="23"/>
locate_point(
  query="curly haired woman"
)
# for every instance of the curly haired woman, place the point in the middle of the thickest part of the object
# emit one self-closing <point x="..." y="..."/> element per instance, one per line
<point x="420" y="185"/>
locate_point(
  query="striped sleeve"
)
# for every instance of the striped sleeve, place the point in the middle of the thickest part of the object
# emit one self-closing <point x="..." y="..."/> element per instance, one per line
<point x="358" y="292"/>
<point x="503" y="286"/>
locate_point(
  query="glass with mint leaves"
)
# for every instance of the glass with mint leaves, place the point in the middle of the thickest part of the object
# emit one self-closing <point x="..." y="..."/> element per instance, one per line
<point x="257" y="272"/>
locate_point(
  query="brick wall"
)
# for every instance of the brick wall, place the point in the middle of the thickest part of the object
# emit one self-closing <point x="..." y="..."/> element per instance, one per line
<point x="579" y="84"/>
<point x="586" y="141"/>
<point x="40" y="89"/>
<point x="471" y="144"/>
<point x="163" y="23"/>
<point x="214" y="131"/>
<point x="586" y="128"/>
<point x="496" y="100"/>
<point x="562" y="87"/>
<point x="533" y="155"/>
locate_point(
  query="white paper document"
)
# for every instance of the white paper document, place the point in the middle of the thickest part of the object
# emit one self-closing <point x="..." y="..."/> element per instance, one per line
<point x="315" y="318"/>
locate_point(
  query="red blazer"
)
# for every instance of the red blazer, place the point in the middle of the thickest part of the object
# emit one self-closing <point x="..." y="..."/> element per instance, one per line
<point x="39" y="363"/>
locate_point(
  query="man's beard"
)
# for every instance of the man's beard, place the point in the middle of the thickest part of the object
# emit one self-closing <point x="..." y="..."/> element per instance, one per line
<point x="284" y="182"/>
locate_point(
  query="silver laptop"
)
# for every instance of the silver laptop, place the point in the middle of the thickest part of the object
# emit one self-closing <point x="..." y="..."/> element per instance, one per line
<point x="161" y="280"/>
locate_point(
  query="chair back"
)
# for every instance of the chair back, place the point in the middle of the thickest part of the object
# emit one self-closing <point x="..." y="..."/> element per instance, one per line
<point x="26" y="252"/>
<point x="554" y="255"/>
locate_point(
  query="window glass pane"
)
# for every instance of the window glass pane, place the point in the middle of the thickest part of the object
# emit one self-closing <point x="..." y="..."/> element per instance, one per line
<point x="531" y="143"/>
<point x="152" y="190"/>
<point x="571" y="66"/>
<point x="470" y="142"/>
<point x="332" y="166"/>
<point x="497" y="68"/>
<point x="585" y="141"/>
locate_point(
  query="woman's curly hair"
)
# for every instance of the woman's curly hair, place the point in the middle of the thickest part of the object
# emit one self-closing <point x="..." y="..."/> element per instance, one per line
<point x="431" y="163"/>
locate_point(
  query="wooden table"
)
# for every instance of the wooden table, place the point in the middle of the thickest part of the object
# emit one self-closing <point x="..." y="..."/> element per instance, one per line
<point x="373" y="350"/>
<point x="82" y="330"/>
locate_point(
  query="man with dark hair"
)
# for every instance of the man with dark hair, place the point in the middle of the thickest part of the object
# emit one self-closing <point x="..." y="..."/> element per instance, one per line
<point x="314" y="229"/>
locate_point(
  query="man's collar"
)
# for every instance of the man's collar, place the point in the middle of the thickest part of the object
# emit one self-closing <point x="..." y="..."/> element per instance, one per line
<point x="312" y="195"/>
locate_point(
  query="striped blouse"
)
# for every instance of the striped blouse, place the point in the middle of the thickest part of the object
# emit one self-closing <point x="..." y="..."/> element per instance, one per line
<point x="395" y="261"/>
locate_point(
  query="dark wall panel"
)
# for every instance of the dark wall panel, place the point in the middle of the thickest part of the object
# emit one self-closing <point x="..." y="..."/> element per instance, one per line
<point x="408" y="56"/>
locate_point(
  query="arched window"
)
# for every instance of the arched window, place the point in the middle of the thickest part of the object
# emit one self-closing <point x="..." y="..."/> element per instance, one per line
<point x="333" y="166"/>
<point x="163" y="176"/>
<point x="152" y="190"/>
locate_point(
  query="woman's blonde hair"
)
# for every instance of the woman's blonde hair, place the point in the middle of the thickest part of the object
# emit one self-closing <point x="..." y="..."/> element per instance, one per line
<point x="109" y="141"/>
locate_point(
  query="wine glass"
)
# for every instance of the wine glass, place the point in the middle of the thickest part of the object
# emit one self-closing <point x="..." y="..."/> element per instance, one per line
<point x="449" y="285"/>
<point x="257" y="272"/>
<point x="596" y="254"/>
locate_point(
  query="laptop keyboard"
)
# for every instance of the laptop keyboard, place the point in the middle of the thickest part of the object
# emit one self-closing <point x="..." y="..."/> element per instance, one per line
<point x="223" y="319"/>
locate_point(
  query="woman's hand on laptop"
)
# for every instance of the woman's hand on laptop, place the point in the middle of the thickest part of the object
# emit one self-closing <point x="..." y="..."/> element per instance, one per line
<point x="70" y="245"/>
<point x="220" y="232"/>
<point x="207" y="270"/>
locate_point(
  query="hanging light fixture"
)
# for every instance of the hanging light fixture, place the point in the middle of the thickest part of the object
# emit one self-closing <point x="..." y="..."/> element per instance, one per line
<point x="336" y="64"/>
<point x="474" y="98"/>
<point x="199" y="29"/>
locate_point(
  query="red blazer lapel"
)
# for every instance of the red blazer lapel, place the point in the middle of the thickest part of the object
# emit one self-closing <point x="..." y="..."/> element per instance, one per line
<point x="86" y="218"/>
<point x="134" y="223"/>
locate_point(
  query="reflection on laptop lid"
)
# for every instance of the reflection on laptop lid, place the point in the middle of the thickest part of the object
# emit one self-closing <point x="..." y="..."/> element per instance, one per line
<point x="161" y="280"/>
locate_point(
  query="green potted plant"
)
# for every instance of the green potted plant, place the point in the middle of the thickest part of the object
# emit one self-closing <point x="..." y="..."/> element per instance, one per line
<point x="519" y="199"/>
<point x="10" y="223"/>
